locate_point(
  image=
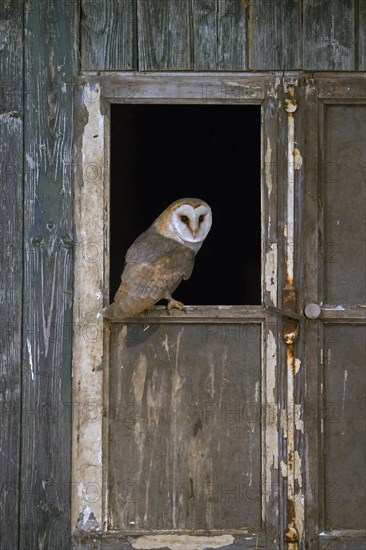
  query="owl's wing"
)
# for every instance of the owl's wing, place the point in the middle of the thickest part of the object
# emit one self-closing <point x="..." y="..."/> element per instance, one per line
<point x="155" y="265"/>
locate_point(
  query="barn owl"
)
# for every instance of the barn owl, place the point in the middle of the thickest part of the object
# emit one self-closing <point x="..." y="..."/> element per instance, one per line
<point x="160" y="258"/>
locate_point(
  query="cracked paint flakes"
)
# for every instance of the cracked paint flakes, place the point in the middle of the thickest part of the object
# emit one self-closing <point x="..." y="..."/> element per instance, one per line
<point x="270" y="451"/>
<point x="270" y="272"/>
<point x="89" y="196"/>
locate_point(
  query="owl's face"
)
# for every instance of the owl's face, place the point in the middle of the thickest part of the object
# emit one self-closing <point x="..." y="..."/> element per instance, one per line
<point x="185" y="220"/>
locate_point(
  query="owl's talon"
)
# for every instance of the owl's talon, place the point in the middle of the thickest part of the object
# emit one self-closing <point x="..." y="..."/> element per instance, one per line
<point x="174" y="304"/>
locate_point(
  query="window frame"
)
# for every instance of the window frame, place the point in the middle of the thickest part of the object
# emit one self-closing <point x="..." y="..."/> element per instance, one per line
<point x="90" y="338"/>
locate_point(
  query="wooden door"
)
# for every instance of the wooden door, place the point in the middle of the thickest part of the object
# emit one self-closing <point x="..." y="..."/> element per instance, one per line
<point x="239" y="425"/>
<point x="335" y="296"/>
<point x="192" y="428"/>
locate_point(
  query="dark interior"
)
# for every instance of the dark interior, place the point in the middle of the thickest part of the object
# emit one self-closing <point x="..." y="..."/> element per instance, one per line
<point x="160" y="153"/>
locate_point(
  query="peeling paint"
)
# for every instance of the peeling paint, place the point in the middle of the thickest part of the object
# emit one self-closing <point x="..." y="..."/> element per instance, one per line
<point x="270" y="274"/>
<point x="299" y="423"/>
<point x="297" y="159"/>
<point x="345" y="378"/>
<point x="90" y="218"/>
<point x="29" y="347"/>
<point x="270" y="450"/>
<point x="299" y="497"/>
<point x="267" y="165"/>
<point x="165" y="345"/>
<point x="292" y="470"/>
<point x="86" y="515"/>
<point x="297" y="365"/>
<point x="181" y="542"/>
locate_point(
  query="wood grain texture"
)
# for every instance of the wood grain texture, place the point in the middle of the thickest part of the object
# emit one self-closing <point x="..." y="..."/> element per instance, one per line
<point x="50" y="60"/>
<point x="275" y="35"/>
<point x="329" y="35"/>
<point x="184" y="427"/>
<point x="362" y="35"/>
<point x="11" y="261"/>
<point x="163" y="35"/>
<point x="205" y="33"/>
<point x="193" y="87"/>
<point x="233" y="35"/>
<point x="219" y="35"/>
<point x="108" y="35"/>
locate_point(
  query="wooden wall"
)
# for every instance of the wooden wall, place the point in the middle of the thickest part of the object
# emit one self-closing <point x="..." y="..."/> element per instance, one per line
<point x="38" y="65"/>
<point x="38" y="69"/>
<point x="223" y="35"/>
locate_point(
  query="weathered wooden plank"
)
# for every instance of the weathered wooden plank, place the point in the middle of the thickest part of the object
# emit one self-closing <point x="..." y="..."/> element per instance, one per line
<point x="233" y="36"/>
<point x="205" y="35"/>
<point x="344" y="200"/>
<point x="344" y="428"/>
<point x="11" y="260"/>
<point x="275" y="37"/>
<point x="362" y="35"/>
<point x="329" y="35"/>
<point x="163" y="35"/>
<point x="208" y="314"/>
<point x="184" y="427"/>
<point x="108" y="35"/>
<point x="219" y="35"/>
<point x="352" y="87"/>
<point x="50" y="45"/>
<point x="203" y="88"/>
<point x="311" y="295"/>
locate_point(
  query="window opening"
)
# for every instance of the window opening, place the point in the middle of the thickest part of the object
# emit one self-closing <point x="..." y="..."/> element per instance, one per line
<point x="160" y="153"/>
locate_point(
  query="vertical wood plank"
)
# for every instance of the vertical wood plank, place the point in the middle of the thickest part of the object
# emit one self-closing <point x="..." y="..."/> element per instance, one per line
<point x="205" y="33"/>
<point x="329" y="35"/>
<point x="233" y="35"/>
<point x="11" y="238"/>
<point x="275" y="36"/>
<point x="362" y="35"/>
<point x="50" y="61"/>
<point x="219" y="35"/>
<point x="163" y="35"/>
<point x="108" y="35"/>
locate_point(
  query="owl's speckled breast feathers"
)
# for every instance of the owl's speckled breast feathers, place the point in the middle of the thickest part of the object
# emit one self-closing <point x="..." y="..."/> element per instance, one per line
<point x="160" y="258"/>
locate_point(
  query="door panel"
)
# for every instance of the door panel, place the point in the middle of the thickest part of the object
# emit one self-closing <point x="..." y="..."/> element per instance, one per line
<point x="335" y="342"/>
<point x="344" y="426"/>
<point x="185" y="427"/>
<point x="344" y="204"/>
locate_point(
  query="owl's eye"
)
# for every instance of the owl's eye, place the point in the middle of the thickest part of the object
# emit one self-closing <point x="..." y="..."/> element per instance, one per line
<point x="184" y="219"/>
<point x="201" y="218"/>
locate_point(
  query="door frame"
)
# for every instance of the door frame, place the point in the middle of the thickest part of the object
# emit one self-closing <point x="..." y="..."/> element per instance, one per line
<point x="90" y="338"/>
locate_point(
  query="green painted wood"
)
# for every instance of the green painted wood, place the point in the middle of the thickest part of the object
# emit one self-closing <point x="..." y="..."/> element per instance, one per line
<point x="362" y="35"/>
<point x="275" y="37"/>
<point x="11" y="261"/>
<point x="108" y="35"/>
<point x="220" y="35"/>
<point x="329" y="35"/>
<point x="163" y="35"/>
<point x="50" y="61"/>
